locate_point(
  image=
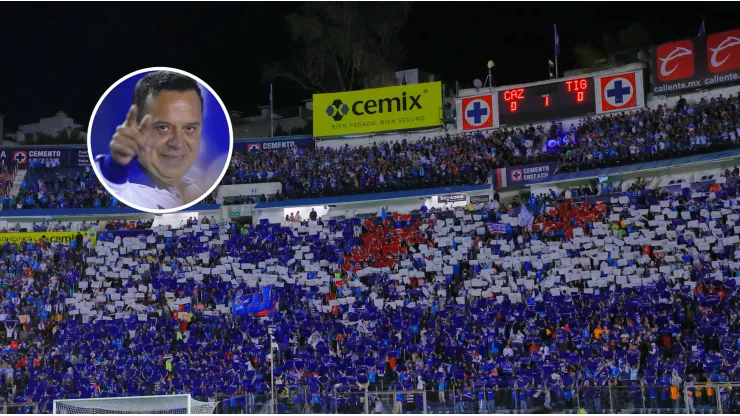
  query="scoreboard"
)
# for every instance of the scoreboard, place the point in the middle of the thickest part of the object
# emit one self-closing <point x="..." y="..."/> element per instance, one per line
<point x="564" y="99"/>
<point x="552" y="100"/>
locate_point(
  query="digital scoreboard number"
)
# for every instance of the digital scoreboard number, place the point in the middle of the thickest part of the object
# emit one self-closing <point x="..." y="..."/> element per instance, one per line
<point x="547" y="102"/>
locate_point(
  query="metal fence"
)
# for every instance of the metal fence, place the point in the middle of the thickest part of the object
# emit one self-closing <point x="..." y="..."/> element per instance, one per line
<point x="15" y="408"/>
<point x="708" y="398"/>
<point x="711" y="397"/>
<point x="305" y="400"/>
<point x="717" y="398"/>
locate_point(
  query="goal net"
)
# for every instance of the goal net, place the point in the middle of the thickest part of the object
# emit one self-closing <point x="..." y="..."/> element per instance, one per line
<point x="181" y="403"/>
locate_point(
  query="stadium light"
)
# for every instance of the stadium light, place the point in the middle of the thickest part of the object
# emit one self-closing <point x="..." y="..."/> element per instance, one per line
<point x="489" y="78"/>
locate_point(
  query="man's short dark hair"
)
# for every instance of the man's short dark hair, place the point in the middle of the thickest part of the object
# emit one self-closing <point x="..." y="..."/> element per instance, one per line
<point x="155" y="82"/>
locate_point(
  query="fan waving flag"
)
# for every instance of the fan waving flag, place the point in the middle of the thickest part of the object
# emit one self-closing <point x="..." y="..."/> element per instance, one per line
<point x="525" y="217"/>
<point x="557" y="41"/>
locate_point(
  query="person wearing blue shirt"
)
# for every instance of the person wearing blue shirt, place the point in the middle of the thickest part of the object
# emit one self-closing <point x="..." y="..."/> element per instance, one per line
<point x="154" y="149"/>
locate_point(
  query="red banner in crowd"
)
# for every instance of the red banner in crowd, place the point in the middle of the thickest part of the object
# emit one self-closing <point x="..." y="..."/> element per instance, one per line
<point x="566" y="217"/>
<point x="382" y="244"/>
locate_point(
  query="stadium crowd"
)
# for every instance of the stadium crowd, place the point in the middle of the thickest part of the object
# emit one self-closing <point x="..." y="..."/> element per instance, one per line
<point x="598" y="142"/>
<point x="630" y="300"/>
<point x="49" y="188"/>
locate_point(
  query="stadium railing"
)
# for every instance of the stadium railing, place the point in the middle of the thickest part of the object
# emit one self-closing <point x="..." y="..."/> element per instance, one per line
<point x="10" y="179"/>
<point x="640" y="398"/>
<point x="300" y="400"/>
<point x="16" y="408"/>
<point x="108" y="211"/>
<point x="718" y="398"/>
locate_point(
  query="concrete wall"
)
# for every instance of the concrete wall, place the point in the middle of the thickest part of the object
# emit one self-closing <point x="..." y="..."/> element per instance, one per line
<point x="88" y="214"/>
<point x="671" y="101"/>
<point x="269" y="188"/>
<point x="27" y="222"/>
<point x="659" y="177"/>
<point x="365" y="207"/>
<point x="262" y="129"/>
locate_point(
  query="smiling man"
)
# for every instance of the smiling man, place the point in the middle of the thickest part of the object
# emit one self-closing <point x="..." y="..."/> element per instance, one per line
<point x="157" y="144"/>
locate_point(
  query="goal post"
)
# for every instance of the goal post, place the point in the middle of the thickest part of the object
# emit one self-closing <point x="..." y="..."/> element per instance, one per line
<point x="173" y="404"/>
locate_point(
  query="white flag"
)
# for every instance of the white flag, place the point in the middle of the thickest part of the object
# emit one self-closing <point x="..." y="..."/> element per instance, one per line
<point x="314" y="339"/>
<point x="525" y="218"/>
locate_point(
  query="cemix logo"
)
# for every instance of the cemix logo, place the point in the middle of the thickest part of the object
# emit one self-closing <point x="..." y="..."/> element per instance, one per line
<point x="723" y="55"/>
<point x="676" y="60"/>
<point x="338" y="109"/>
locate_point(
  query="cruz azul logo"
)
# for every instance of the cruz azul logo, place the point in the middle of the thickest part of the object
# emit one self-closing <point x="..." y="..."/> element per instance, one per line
<point x="516" y="175"/>
<point x="338" y="109"/>
<point x="477" y="113"/>
<point x="675" y="60"/>
<point x="723" y="51"/>
<point x="618" y="92"/>
<point x="20" y="157"/>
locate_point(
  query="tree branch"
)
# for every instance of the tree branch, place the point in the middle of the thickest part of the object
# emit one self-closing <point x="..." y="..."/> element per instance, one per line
<point x="341" y="43"/>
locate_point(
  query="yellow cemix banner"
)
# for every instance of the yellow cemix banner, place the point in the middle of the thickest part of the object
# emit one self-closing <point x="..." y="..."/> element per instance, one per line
<point x="54" y="237"/>
<point x="380" y="109"/>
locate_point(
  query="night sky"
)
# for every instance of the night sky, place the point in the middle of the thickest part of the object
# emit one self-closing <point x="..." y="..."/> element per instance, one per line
<point x="63" y="56"/>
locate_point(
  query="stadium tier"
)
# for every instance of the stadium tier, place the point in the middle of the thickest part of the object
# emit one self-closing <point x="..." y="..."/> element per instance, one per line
<point x="612" y="140"/>
<point x="52" y="187"/>
<point x="623" y="304"/>
<point x="468" y="159"/>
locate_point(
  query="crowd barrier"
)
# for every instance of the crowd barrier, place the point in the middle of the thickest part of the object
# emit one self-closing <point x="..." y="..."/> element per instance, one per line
<point x="6" y="187"/>
<point x="640" y="398"/>
<point x="19" y="408"/>
<point x="63" y="212"/>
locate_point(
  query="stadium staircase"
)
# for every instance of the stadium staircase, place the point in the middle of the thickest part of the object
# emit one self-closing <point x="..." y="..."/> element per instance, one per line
<point x="17" y="182"/>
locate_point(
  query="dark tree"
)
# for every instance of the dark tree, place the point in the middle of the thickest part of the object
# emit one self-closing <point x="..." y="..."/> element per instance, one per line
<point x="633" y="38"/>
<point x="279" y="131"/>
<point x="620" y="47"/>
<point x="587" y="55"/>
<point x="344" y="46"/>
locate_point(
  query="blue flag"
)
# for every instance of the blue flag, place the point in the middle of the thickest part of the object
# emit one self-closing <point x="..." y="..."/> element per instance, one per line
<point x="702" y="30"/>
<point x="525" y="217"/>
<point x="557" y="41"/>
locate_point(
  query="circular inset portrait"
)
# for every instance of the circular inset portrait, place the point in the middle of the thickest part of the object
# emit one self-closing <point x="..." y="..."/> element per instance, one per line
<point x="160" y="140"/>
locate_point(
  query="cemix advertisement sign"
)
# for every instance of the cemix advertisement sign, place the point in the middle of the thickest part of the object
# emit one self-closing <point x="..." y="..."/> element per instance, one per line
<point x="375" y="110"/>
<point x="63" y="237"/>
